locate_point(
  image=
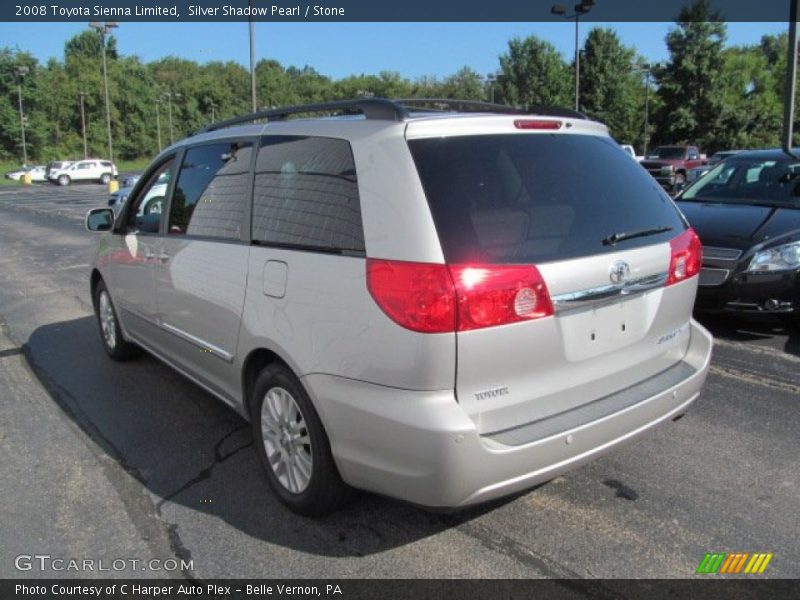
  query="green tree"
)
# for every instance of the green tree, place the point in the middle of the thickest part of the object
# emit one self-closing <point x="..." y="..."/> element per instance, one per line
<point x="532" y="72"/>
<point x="10" y="132"/>
<point x="87" y="44"/>
<point x="689" y="84"/>
<point x="466" y="84"/>
<point x="611" y="91"/>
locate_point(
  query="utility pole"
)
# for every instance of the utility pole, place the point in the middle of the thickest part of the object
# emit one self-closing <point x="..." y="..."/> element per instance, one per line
<point x="21" y="72"/>
<point x="169" y="96"/>
<point x="491" y="78"/>
<point x="158" y="123"/>
<point x="83" y="129"/>
<point x="103" y="29"/>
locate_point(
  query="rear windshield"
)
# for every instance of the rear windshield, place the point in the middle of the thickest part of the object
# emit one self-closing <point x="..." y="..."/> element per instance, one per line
<point x="538" y="197"/>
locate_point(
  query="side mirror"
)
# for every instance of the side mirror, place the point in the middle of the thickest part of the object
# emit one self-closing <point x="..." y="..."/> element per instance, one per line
<point x="100" y="219"/>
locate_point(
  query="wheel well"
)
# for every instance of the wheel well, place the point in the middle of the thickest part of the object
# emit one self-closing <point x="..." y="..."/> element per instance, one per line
<point x="255" y="362"/>
<point x="94" y="279"/>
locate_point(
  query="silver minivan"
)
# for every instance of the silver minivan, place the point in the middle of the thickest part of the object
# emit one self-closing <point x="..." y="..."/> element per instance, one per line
<point x="444" y="303"/>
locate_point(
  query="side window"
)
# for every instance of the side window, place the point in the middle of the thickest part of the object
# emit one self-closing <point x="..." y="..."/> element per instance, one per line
<point x="144" y="215"/>
<point x="306" y="194"/>
<point x="212" y="191"/>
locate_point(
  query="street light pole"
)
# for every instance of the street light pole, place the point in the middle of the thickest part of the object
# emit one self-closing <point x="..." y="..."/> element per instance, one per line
<point x="647" y="69"/>
<point x="83" y="129"/>
<point x="21" y="72"/>
<point x="580" y="9"/>
<point x="252" y="58"/>
<point x="103" y="29"/>
<point x="646" y="139"/>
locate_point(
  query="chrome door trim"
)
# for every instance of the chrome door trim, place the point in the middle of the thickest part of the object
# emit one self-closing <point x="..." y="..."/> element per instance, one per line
<point x="200" y="343"/>
<point x="607" y="293"/>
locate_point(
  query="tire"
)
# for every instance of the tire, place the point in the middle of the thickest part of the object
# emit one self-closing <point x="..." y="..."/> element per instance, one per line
<point x="63" y="180"/>
<point x="108" y="324"/>
<point x="154" y="206"/>
<point x="105" y="178"/>
<point x="303" y="475"/>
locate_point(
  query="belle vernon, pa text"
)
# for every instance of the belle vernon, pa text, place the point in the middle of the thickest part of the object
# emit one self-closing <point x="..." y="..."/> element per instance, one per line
<point x="136" y="589"/>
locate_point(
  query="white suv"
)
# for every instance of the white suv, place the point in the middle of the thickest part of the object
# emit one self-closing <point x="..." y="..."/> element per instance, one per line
<point x="441" y="306"/>
<point x="84" y="170"/>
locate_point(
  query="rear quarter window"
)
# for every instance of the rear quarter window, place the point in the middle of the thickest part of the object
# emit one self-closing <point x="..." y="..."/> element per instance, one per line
<point x="518" y="198"/>
<point x="306" y="194"/>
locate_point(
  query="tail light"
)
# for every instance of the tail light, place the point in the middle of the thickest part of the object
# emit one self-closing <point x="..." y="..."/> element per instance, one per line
<point x="433" y="298"/>
<point x="687" y="254"/>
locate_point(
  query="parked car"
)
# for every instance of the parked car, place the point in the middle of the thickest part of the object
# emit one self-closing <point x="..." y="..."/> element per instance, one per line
<point x="57" y="165"/>
<point x="130" y="180"/>
<point x="439" y="307"/>
<point x="746" y="211"/>
<point x="670" y="164"/>
<point x="37" y="173"/>
<point x="153" y="203"/>
<point x="628" y="149"/>
<point x="84" y="170"/>
<point x="696" y="173"/>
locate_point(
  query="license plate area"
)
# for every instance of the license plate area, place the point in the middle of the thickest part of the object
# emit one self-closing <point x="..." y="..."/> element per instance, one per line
<point x="603" y="329"/>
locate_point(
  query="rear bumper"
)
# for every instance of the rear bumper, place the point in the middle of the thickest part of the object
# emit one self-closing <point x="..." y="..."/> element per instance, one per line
<point x="421" y="447"/>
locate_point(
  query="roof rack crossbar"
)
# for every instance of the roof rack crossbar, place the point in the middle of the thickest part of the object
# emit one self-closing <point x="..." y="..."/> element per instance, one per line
<point x="371" y="108"/>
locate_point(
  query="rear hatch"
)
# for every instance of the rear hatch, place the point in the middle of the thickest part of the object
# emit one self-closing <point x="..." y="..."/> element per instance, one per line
<point x="553" y="196"/>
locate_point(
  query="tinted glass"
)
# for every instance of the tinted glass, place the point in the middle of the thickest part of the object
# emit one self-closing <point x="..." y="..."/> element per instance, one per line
<point x="538" y="197"/>
<point x="145" y="212"/>
<point x="306" y="194"/>
<point x="748" y="180"/>
<point x="668" y="152"/>
<point x="212" y="191"/>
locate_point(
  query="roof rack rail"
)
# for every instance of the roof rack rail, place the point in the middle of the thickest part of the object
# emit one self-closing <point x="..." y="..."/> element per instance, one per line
<point x="490" y="107"/>
<point x="392" y="110"/>
<point x="371" y="108"/>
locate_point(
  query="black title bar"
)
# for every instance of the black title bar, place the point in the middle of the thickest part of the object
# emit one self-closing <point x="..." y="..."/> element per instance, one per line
<point x="376" y="10"/>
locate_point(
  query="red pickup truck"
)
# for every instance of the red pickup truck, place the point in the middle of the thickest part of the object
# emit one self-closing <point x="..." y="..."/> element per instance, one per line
<point x="669" y="164"/>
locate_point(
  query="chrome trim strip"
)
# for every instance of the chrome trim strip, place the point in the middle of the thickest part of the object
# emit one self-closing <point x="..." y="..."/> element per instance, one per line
<point x="607" y="293"/>
<point x="202" y="344"/>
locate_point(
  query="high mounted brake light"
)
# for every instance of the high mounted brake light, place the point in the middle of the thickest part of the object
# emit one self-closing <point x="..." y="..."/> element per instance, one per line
<point x="536" y="124"/>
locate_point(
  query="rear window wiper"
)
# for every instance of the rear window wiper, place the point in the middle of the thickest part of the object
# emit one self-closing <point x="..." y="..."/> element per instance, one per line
<point x="628" y="235"/>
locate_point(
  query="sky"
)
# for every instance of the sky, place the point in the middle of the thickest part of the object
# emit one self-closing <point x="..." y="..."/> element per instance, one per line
<point x="341" y="49"/>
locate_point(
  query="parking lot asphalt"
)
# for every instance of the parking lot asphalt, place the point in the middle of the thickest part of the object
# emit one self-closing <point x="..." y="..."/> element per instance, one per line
<point x="132" y="461"/>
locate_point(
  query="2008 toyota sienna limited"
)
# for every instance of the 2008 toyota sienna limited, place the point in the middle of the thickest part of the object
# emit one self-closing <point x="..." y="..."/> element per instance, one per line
<point x="444" y="302"/>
